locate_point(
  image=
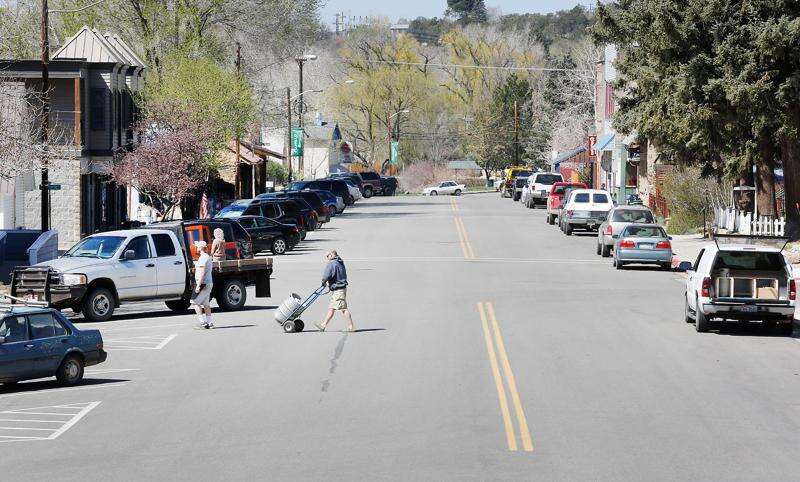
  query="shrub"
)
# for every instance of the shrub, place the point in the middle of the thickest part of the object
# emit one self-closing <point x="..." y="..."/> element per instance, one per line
<point x="688" y="195"/>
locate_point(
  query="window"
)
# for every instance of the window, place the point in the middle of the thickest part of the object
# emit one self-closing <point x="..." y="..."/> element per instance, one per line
<point x="548" y="179"/>
<point x="140" y="246"/>
<point x="247" y="223"/>
<point x="581" y="197"/>
<point x="644" y="232"/>
<point x="254" y="210"/>
<point x="238" y="233"/>
<point x="14" y="329"/>
<point x="164" y="245"/>
<point x="599" y="198"/>
<point x="270" y="210"/>
<point x="633" y="216"/>
<point x="749" y="260"/>
<point x="43" y="325"/>
<point x="370" y="176"/>
<point x="97" y="103"/>
<point x="290" y="209"/>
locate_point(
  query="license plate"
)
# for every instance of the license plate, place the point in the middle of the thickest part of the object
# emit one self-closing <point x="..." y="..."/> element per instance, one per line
<point x="645" y="246"/>
<point x="749" y="309"/>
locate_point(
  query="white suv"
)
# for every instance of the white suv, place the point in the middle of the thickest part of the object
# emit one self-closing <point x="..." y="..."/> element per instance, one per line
<point x="538" y="188"/>
<point x="739" y="278"/>
<point x="585" y="209"/>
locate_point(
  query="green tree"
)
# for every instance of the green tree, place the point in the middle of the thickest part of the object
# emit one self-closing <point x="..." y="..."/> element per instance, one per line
<point x="468" y="11"/>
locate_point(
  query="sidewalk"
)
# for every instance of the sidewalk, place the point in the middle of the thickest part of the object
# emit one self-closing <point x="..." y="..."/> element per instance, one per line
<point x="686" y="247"/>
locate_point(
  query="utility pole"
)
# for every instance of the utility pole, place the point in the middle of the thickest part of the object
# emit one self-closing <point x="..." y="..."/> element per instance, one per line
<point x="516" y="133"/>
<point x="337" y="24"/>
<point x="45" y="118"/>
<point x="300" y="109"/>
<point x="239" y="190"/>
<point x="289" y="131"/>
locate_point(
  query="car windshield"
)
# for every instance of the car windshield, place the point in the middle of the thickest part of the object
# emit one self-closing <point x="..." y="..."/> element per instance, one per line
<point x="749" y="260"/>
<point x="644" y="232"/>
<point x="632" y="216"/>
<point x="563" y="188"/>
<point x="582" y="197"/>
<point x="96" y="247"/>
<point x="548" y="178"/>
<point x="232" y="211"/>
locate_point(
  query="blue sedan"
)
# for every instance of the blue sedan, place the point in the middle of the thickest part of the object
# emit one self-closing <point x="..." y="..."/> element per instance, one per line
<point x="38" y="342"/>
<point x="643" y="244"/>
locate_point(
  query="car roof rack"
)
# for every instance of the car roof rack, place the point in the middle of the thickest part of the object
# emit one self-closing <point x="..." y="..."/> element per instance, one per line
<point x="8" y="302"/>
<point x="749" y="239"/>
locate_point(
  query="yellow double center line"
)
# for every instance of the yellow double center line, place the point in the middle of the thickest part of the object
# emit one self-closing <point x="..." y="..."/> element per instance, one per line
<point x="486" y="311"/>
<point x="463" y="238"/>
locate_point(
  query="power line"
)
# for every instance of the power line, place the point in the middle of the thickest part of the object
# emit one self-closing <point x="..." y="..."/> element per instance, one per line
<point x="459" y="66"/>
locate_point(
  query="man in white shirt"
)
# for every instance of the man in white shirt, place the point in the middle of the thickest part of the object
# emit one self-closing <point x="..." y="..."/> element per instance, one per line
<point x="201" y="298"/>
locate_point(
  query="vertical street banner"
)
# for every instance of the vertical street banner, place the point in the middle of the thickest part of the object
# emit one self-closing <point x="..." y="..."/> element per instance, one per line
<point x="297" y="141"/>
<point x="394" y="155"/>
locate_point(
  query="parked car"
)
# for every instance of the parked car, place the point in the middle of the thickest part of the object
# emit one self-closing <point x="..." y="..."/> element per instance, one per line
<point x="354" y="178"/>
<point x="538" y="187"/>
<point x="353" y="188"/>
<point x="156" y="262"/>
<point x="389" y="184"/>
<point x="265" y="208"/>
<point x="336" y="186"/>
<point x="39" y="342"/>
<point x="743" y="279"/>
<point x="519" y="184"/>
<point x="270" y="235"/>
<point x="554" y="199"/>
<point x="507" y="184"/>
<point x="616" y="221"/>
<point x="642" y="244"/>
<point x="585" y="209"/>
<point x="334" y="203"/>
<point x="446" y="187"/>
<point x="372" y="185"/>
<point x="561" y="206"/>
<point x="310" y="197"/>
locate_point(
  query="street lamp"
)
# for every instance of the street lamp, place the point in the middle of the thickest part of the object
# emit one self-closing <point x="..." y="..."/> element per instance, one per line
<point x="300" y="61"/>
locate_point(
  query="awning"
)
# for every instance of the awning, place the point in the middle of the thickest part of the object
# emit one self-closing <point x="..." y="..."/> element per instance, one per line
<point x="604" y="142"/>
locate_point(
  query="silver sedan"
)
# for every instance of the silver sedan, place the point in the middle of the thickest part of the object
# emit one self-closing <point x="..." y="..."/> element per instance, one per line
<point x="643" y="244"/>
<point x="618" y="219"/>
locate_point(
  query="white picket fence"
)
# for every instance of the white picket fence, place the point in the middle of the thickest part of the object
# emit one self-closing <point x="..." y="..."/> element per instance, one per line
<point x="735" y="221"/>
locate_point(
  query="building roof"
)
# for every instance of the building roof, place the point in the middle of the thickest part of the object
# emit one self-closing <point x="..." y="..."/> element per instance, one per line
<point x="568" y="154"/>
<point x="463" y="165"/>
<point x="94" y="46"/>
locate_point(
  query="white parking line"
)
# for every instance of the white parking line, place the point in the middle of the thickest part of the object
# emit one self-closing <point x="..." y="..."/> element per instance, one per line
<point x="147" y="327"/>
<point x="73" y="413"/>
<point x="138" y="342"/>
<point x="103" y="371"/>
<point x="61" y="389"/>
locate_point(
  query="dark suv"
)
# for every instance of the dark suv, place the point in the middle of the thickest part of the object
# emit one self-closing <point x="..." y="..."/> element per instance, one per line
<point x="311" y="197"/>
<point x="372" y="183"/>
<point x="336" y="186"/>
<point x="352" y="177"/>
<point x="267" y="209"/>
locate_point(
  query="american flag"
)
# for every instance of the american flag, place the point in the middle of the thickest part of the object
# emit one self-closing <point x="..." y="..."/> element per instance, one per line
<point x="204" y="214"/>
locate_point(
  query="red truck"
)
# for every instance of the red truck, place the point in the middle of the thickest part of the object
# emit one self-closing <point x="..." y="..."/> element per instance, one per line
<point x="556" y="195"/>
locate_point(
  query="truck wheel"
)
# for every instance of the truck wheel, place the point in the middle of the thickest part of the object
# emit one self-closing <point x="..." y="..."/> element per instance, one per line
<point x="606" y="251"/>
<point x="598" y="248"/>
<point x="367" y="192"/>
<point x="178" y="305"/>
<point x="687" y="313"/>
<point x="71" y="370"/>
<point x="568" y="229"/>
<point x="701" y="323"/>
<point x="232" y="296"/>
<point x="787" y="328"/>
<point x="278" y="246"/>
<point x="98" y="305"/>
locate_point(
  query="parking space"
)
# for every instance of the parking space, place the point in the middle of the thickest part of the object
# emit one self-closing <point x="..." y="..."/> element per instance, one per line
<point x="46" y="422"/>
<point x="146" y="342"/>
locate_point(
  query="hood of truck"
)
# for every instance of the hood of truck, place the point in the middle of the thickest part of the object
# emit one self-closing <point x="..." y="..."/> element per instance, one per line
<point x="78" y="265"/>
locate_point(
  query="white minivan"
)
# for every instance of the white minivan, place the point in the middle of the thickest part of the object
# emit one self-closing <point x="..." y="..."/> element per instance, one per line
<point x="585" y="209"/>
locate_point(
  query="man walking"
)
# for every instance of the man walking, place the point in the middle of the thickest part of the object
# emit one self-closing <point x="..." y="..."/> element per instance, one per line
<point x="335" y="276"/>
<point x="201" y="297"/>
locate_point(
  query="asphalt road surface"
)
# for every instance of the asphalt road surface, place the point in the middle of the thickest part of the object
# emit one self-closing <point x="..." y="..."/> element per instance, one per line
<point x="490" y="347"/>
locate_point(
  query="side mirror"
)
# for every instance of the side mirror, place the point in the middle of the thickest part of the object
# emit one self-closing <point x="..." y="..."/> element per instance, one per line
<point x="686" y="266"/>
<point x="129" y="255"/>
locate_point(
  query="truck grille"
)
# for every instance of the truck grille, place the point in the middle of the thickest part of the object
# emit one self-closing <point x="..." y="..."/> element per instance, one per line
<point x="31" y="280"/>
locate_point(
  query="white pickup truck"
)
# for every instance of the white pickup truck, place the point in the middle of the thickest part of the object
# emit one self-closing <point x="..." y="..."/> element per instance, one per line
<point x="742" y="278"/>
<point x="107" y="269"/>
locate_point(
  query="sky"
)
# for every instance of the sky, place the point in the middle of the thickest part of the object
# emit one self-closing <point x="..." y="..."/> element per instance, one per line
<point x="411" y="9"/>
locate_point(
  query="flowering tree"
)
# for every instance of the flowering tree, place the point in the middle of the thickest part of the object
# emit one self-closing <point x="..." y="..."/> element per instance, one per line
<point x="173" y="159"/>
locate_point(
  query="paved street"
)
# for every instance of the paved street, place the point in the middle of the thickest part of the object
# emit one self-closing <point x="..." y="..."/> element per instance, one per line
<point x="490" y="347"/>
